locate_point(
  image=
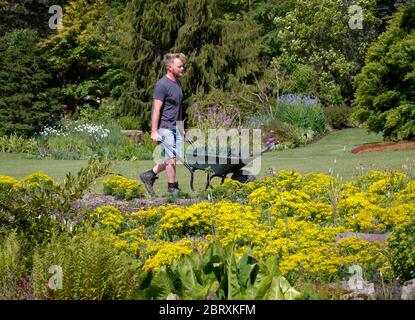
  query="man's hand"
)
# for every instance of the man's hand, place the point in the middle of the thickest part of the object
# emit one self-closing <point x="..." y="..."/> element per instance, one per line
<point x="155" y="136"/>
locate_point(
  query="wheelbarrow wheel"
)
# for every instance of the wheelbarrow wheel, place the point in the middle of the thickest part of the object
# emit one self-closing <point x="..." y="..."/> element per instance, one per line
<point x="243" y="176"/>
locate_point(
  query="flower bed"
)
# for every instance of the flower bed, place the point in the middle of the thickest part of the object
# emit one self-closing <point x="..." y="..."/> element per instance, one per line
<point x="293" y="216"/>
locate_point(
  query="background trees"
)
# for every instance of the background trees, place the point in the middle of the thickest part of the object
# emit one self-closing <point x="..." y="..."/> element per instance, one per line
<point x="26" y="14"/>
<point x="82" y="54"/>
<point x="26" y="102"/>
<point x="317" y="45"/>
<point x="241" y="53"/>
<point x="220" y="41"/>
<point x="385" y="89"/>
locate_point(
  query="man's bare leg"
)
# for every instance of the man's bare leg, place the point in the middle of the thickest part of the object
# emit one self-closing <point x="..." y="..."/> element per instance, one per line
<point x="160" y="167"/>
<point x="171" y="171"/>
<point x="170" y="167"/>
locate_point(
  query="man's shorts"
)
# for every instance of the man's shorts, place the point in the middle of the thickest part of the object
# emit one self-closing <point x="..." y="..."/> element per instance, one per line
<point x="173" y="139"/>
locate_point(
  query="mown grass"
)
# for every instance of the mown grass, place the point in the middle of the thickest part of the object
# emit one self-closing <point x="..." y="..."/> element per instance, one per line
<point x="317" y="157"/>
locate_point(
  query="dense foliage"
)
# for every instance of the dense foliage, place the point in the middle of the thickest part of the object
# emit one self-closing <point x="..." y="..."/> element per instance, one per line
<point x="402" y="248"/>
<point x="386" y="86"/>
<point x="26" y="14"/>
<point x="27" y="103"/>
<point x="241" y="54"/>
<point x="260" y="240"/>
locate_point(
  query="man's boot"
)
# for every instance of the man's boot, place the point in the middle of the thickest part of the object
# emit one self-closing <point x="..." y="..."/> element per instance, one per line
<point x="148" y="179"/>
<point x="173" y="187"/>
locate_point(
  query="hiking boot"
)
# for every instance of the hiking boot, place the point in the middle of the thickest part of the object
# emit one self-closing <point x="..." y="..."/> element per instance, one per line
<point x="148" y="178"/>
<point x="173" y="188"/>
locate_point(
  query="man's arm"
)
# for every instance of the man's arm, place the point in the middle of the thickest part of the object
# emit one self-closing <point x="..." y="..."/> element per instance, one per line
<point x="157" y="104"/>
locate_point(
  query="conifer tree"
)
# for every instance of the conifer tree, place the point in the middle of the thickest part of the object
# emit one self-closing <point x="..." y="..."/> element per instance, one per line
<point x="385" y="89"/>
<point x="219" y="40"/>
<point x="26" y="103"/>
<point x="81" y="54"/>
<point x="26" y="14"/>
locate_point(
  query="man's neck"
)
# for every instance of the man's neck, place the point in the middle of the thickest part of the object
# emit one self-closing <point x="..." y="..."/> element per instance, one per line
<point x="171" y="76"/>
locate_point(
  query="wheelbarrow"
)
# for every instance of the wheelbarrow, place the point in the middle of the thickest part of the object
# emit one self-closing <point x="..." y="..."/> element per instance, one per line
<point x="216" y="164"/>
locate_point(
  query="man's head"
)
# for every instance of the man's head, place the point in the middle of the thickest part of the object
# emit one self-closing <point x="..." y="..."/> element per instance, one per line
<point x="175" y="63"/>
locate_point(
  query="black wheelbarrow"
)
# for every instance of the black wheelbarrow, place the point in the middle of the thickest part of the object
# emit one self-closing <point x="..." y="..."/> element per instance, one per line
<point x="216" y="163"/>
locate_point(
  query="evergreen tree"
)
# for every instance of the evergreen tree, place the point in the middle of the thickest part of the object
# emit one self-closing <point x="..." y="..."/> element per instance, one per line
<point x="30" y="14"/>
<point x="26" y="105"/>
<point x="385" y="9"/>
<point x="385" y="94"/>
<point x="219" y="40"/>
<point x="81" y="52"/>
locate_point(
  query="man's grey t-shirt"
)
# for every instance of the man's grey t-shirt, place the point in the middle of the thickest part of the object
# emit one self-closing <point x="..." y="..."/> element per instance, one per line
<point x="170" y="92"/>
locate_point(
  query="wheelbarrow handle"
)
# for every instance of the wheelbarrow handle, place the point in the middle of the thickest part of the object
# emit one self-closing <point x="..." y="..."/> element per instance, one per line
<point x="174" y="151"/>
<point x="188" y="166"/>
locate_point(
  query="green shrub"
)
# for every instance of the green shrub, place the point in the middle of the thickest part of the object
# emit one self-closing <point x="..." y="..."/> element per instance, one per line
<point x="128" y="123"/>
<point x="70" y="147"/>
<point x="105" y="114"/>
<point x="402" y="250"/>
<point x="91" y="268"/>
<point x="13" y="284"/>
<point x="130" y="150"/>
<point x="302" y="116"/>
<point x="123" y="188"/>
<point x="36" y="206"/>
<point x="287" y="133"/>
<point x="385" y="87"/>
<point x="338" y="117"/>
<point x="18" y="144"/>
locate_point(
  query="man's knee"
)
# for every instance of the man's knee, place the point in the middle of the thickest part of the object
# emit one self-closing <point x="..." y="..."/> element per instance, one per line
<point x="170" y="162"/>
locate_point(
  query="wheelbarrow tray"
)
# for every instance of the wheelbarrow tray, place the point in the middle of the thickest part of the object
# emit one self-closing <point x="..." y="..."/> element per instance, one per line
<point x="218" y="163"/>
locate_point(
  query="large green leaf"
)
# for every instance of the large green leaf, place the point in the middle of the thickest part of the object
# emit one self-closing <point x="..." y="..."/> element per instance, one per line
<point x="233" y="287"/>
<point x="161" y="285"/>
<point x="274" y="291"/>
<point x="186" y="273"/>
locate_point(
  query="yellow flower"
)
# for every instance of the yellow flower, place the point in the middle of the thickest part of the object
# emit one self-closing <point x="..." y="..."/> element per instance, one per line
<point x="8" y="183"/>
<point x="165" y="253"/>
<point x="123" y="188"/>
<point x="38" y="181"/>
<point x="108" y="216"/>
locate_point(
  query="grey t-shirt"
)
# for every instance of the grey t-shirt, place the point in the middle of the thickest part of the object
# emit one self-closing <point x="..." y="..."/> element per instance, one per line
<point x="170" y="92"/>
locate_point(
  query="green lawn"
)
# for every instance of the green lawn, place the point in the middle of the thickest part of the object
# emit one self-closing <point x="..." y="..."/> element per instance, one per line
<point x="318" y="157"/>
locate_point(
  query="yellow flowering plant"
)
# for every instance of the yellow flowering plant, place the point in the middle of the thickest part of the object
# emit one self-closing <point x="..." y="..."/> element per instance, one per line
<point x="123" y="188"/>
<point x="38" y="182"/>
<point x="8" y="183"/>
<point x="230" y="190"/>
<point x="108" y="217"/>
<point x="165" y="253"/>
<point x="292" y="216"/>
<point x="401" y="245"/>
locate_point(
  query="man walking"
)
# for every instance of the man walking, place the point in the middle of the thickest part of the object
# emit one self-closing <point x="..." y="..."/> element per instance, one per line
<point x="166" y="121"/>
